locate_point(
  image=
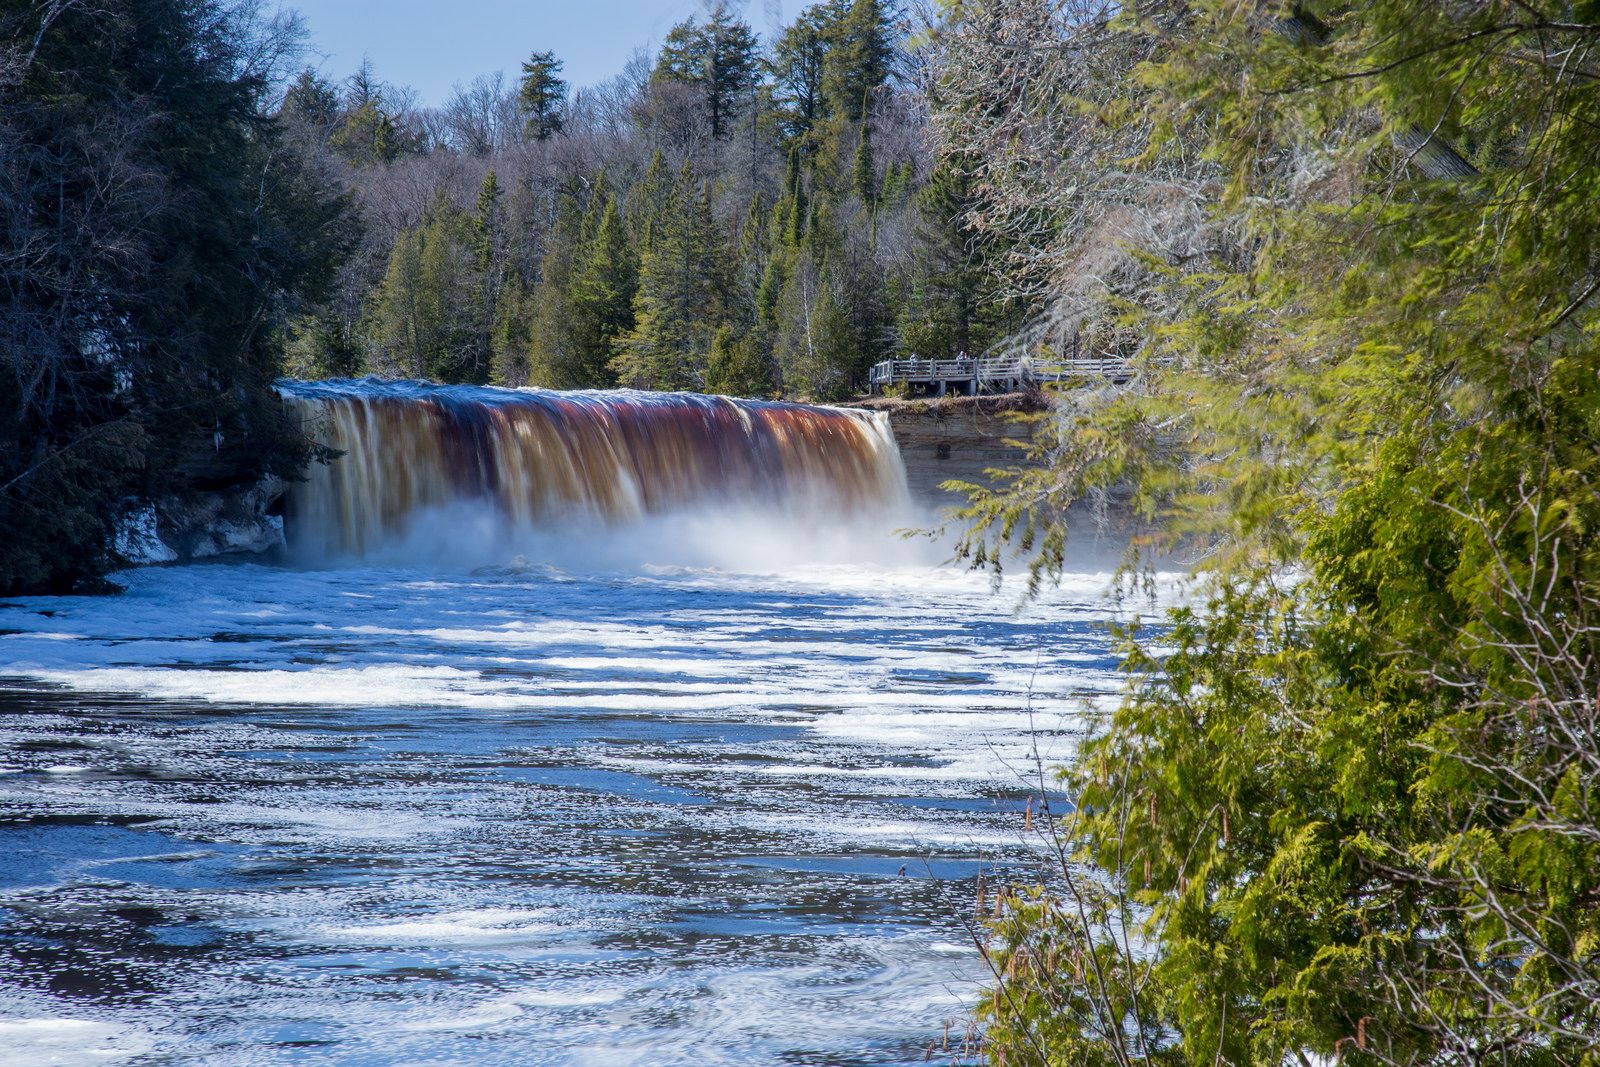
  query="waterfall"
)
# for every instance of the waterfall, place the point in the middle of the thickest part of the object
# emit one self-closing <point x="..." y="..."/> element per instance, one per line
<point x="539" y="458"/>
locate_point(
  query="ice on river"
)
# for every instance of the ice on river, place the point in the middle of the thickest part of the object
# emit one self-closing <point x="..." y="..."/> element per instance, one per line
<point x="520" y="814"/>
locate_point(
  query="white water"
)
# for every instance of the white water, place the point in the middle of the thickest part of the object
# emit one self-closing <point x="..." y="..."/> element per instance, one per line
<point x="622" y="811"/>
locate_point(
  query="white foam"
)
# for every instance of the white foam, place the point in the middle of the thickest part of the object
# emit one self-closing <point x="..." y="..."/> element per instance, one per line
<point x="67" y="1042"/>
<point x="484" y="926"/>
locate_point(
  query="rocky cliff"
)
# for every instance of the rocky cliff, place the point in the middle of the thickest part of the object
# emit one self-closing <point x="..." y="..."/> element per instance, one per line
<point x="957" y="437"/>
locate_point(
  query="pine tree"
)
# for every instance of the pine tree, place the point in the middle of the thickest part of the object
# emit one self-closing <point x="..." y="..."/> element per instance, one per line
<point x="796" y="207"/>
<point x="367" y="136"/>
<point x="159" y="230"/>
<point x="897" y="178"/>
<point x="428" y="315"/>
<point x="797" y="65"/>
<point x="864" y="174"/>
<point x="943" y="316"/>
<point x="834" y="340"/>
<point x="399" y="322"/>
<point x="676" y="302"/>
<point x="512" y="335"/>
<point x="542" y="96"/>
<point x="602" y="293"/>
<point x="857" y="61"/>
<point x="553" y="357"/>
<point x="311" y="103"/>
<point x="749" y="264"/>
<point x="489" y="231"/>
<point x="646" y="200"/>
<point x="737" y="366"/>
<point x="719" y="57"/>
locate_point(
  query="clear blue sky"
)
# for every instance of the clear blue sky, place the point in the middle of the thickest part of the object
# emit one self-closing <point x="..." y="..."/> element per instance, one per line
<point x="432" y="44"/>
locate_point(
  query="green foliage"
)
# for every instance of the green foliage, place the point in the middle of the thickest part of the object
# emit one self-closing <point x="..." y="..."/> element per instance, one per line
<point x="737" y="366"/>
<point x="864" y="174"/>
<point x="317" y="345"/>
<point x="188" y="215"/>
<point x="310" y="101"/>
<point x="677" y="299"/>
<point x="554" y="359"/>
<point x="1347" y="807"/>
<point x="542" y="96"/>
<point x="602" y="294"/>
<point x="368" y="135"/>
<point x="857" y="60"/>
<point x="942" y="310"/>
<point x="797" y="64"/>
<point x="430" y="313"/>
<point x="718" y="57"/>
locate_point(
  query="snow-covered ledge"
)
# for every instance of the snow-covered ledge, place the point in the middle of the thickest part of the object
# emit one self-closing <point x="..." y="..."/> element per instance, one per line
<point x="238" y="521"/>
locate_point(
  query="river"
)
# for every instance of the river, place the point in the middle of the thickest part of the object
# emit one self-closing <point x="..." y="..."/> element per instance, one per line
<point x="654" y="800"/>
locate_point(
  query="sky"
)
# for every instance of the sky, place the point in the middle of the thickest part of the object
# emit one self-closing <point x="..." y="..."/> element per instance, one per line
<point x="431" y="45"/>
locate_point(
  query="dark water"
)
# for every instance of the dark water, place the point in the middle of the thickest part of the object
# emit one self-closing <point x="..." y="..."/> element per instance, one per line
<point x="522" y="816"/>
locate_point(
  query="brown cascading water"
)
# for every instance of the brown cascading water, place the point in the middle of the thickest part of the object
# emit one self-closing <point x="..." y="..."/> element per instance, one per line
<point x="541" y="457"/>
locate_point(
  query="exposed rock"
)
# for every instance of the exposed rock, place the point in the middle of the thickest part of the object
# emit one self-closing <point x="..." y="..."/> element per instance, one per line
<point x="957" y="438"/>
<point x="246" y="519"/>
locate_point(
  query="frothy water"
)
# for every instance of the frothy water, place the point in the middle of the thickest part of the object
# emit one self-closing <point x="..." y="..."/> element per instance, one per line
<point x="524" y="815"/>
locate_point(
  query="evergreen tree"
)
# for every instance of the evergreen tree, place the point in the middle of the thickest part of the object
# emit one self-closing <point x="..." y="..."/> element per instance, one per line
<point x="647" y="200"/>
<point x="511" y="340"/>
<point x="864" y="174"/>
<point x="159" y="230"/>
<point x="428" y="316"/>
<point x="542" y="96"/>
<point x="736" y="366"/>
<point x="311" y="104"/>
<point x="857" y="60"/>
<point x="943" y="314"/>
<point x="676" y="303"/>
<point x="795" y="207"/>
<point x="797" y="64"/>
<point x="1346" y="809"/>
<point x="554" y="358"/>
<point x="489" y="231"/>
<point x="897" y="180"/>
<point x="749" y="264"/>
<point x="368" y="133"/>
<point x="719" y="57"/>
<point x="602" y="293"/>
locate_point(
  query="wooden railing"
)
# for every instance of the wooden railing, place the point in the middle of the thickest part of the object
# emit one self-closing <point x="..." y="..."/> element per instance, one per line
<point x="1014" y="371"/>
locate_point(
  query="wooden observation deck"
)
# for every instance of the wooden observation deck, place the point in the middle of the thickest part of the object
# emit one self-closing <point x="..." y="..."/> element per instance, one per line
<point x="995" y="374"/>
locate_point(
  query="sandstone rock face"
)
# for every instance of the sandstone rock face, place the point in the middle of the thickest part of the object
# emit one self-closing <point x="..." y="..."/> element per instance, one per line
<point x="957" y="438"/>
<point x="961" y="438"/>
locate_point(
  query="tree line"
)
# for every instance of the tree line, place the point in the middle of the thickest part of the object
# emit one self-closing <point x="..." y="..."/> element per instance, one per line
<point x="157" y="229"/>
<point x="722" y="216"/>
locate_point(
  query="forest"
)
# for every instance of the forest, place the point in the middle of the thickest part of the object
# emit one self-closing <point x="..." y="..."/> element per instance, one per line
<point x="724" y="215"/>
<point x="1345" y="808"/>
<point x="192" y="211"/>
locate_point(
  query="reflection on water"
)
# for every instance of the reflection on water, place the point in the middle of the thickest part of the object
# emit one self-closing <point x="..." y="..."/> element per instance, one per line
<point x="520" y="816"/>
